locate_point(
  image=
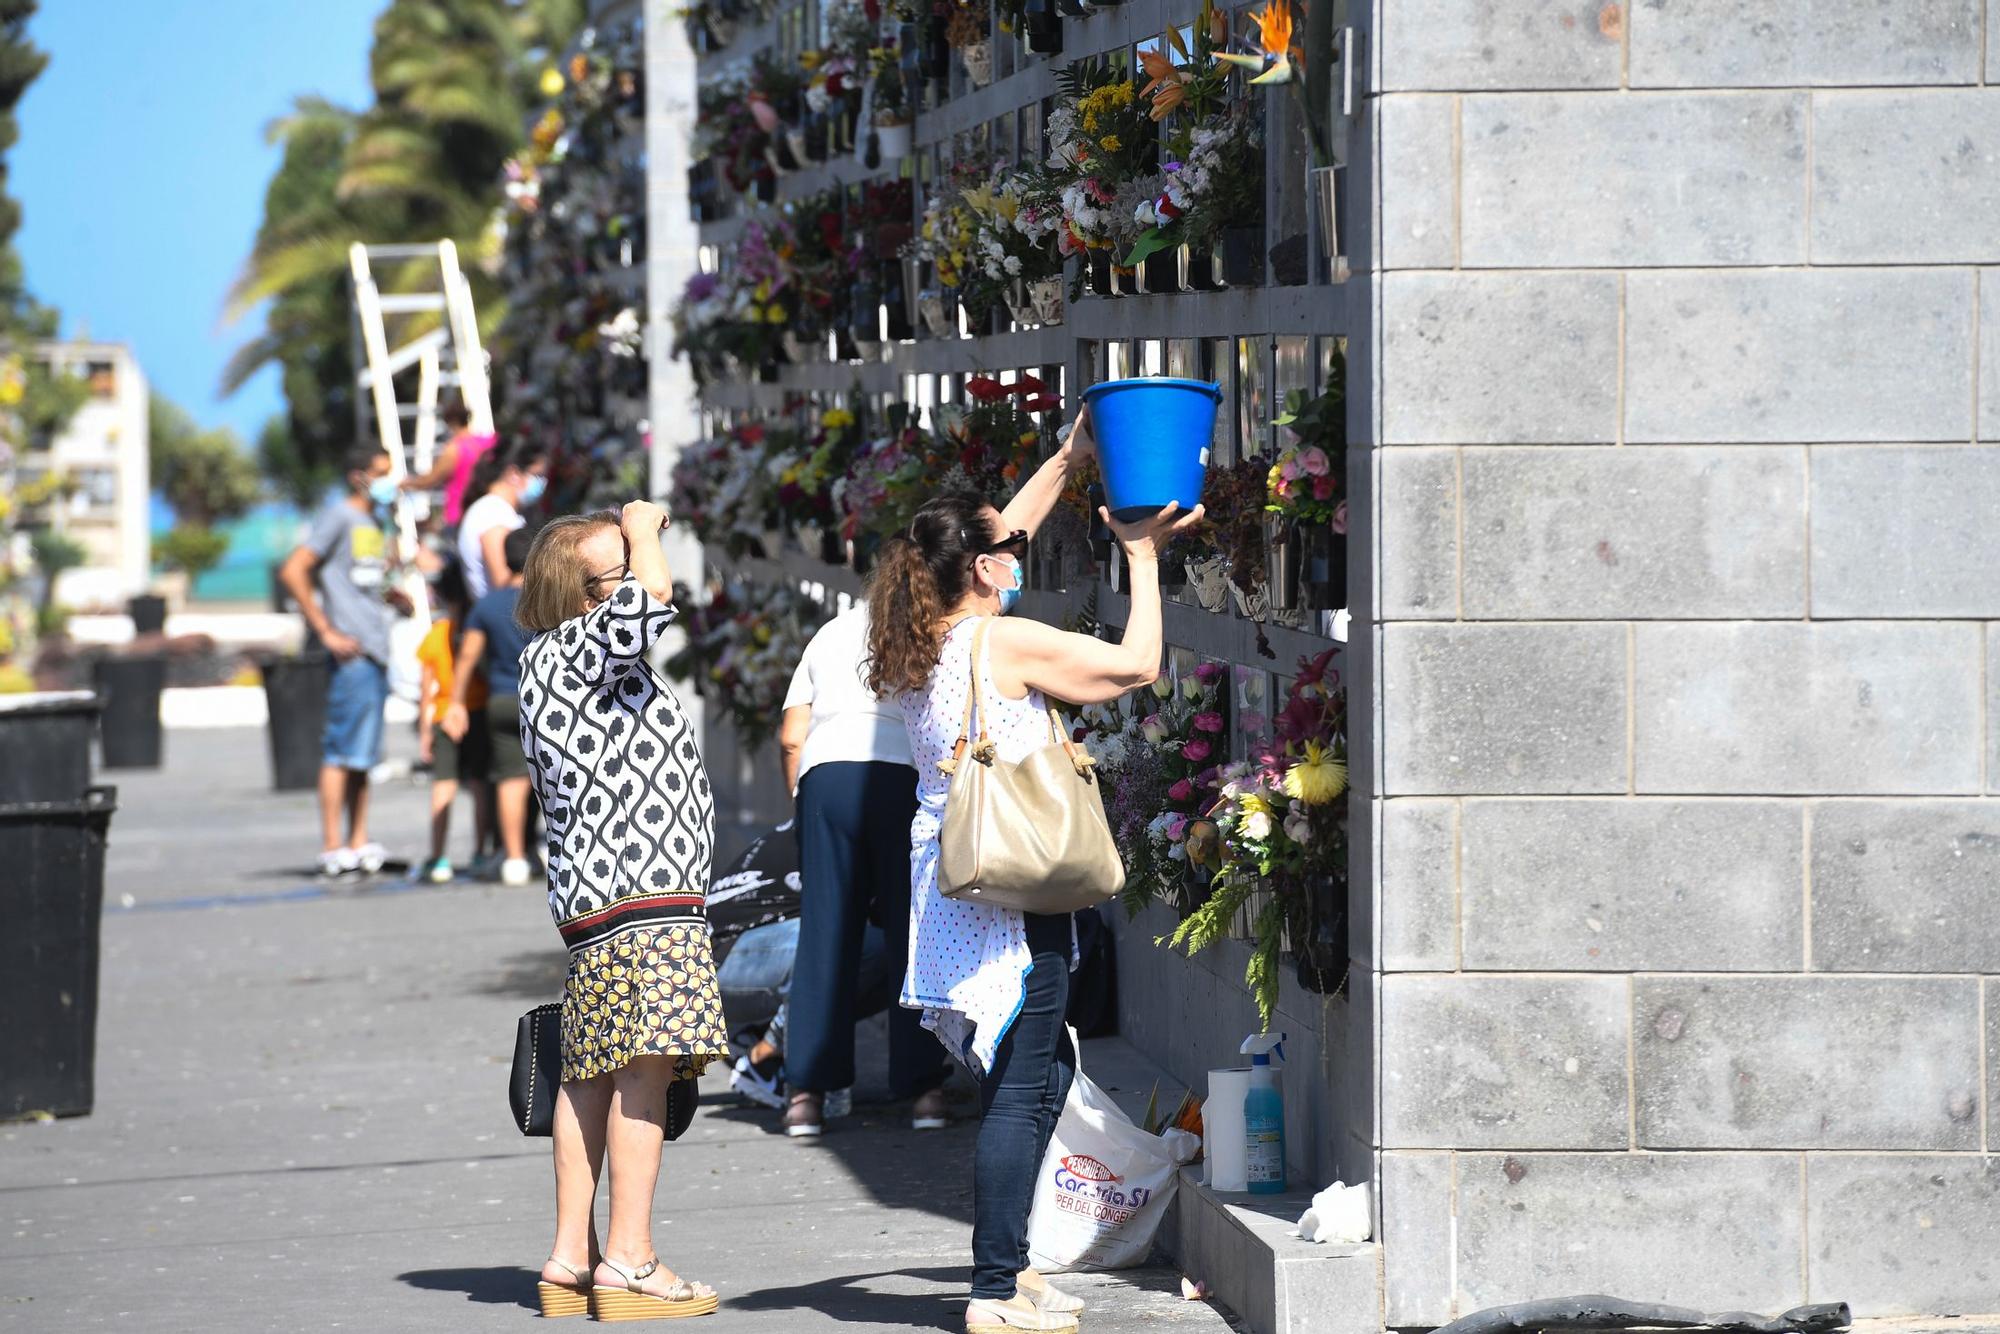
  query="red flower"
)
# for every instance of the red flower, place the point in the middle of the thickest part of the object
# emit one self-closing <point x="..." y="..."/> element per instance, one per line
<point x="985" y="388"/>
<point x="753" y="434"/>
<point x="1028" y="384"/>
<point x="1043" y="403"/>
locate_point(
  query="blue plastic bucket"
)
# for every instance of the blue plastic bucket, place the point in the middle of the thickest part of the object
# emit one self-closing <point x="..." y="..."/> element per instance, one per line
<point x="1153" y="436"/>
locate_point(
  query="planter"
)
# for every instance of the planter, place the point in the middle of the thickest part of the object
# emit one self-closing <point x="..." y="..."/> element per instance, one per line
<point x="1283" y="555"/>
<point x="936" y="316"/>
<point x="722" y="31"/>
<point x="892" y="142"/>
<point x="1042" y="22"/>
<point x="898" y="326"/>
<point x="799" y="350"/>
<point x="766" y="187"/>
<point x="295" y="695"/>
<point x="1162" y="272"/>
<point x="861" y="552"/>
<point x="1323" y="210"/>
<point x="798" y="146"/>
<point x="1045" y="300"/>
<point x="46" y="739"/>
<point x="1203" y="269"/>
<point x="1243" y="926"/>
<point x="51" y="906"/>
<point x="978" y="61"/>
<point x="913" y="291"/>
<point x="1125" y="281"/>
<point x="1097" y="273"/>
<point x="1323" y="569"/>
<point x="1242" y="254"/>
<point x="1316" y="924"/>
<point x="130" y="688"/>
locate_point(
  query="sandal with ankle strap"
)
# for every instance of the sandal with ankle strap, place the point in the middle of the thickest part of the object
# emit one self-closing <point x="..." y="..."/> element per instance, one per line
<point x="561" y="1299"/>
<point x="634" y="1303"/>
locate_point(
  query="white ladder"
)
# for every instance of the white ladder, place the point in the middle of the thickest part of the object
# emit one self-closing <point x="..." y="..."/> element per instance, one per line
<point x="441" y="289"/>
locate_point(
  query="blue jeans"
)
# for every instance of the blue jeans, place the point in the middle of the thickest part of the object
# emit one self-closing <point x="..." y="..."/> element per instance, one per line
<point x="854" y="867"/>
<point x="352" y="738"/>
<point x="1022" y="1094"/>
<point x="756" y="980"/>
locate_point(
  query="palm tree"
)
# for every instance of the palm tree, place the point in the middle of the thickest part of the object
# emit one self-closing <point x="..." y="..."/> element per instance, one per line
<point x="451" y="81"/>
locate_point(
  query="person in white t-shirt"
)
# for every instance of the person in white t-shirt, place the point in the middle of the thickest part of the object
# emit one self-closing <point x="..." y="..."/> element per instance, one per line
<point x="847" y="757"/>
<point x="506" y="482"/>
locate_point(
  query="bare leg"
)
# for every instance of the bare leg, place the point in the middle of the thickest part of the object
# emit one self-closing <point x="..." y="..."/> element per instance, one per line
<point x="332" y="797"/>
<point x="514" y="819"/>
<point x="636" y="1132"/>
<point x="357" y="808"/>
<point x="582" y="1109"/>
<point x="443" y="793"/>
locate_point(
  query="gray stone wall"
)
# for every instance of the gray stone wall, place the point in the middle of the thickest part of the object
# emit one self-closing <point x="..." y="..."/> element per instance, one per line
<point x="1687" y="540"/>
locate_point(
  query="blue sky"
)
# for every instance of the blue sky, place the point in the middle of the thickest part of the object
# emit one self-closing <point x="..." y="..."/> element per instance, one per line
<point x="142" y="164"/>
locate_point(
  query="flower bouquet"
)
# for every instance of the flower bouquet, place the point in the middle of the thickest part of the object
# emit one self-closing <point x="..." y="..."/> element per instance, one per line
<point x="1100" y="164"/>
<point x="886" y="483"/>
<point x="1282" y="844"/>
<point x="1304" y="494"/>
<point x="746" y="645"/>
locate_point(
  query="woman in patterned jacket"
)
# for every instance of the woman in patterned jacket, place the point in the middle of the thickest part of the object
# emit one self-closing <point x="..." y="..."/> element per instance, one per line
<point x="630" y="825"/>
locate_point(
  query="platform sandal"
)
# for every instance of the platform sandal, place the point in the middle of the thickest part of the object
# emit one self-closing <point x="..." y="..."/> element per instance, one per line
<point x="560" y="1299"/>
<point x="983" y="1315"/>
<point x="1048" y="1298"/>
<point x="634" y="1303"/>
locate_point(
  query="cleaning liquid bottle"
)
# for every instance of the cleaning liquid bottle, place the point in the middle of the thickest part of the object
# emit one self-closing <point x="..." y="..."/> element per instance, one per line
<point x="1264" y="1115"/>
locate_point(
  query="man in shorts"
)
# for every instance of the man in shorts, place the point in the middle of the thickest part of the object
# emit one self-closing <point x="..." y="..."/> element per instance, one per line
<point x="493" y="640"/>
<point x="341" y="576"/>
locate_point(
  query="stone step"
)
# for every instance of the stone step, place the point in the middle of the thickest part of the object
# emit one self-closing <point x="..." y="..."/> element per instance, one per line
<point x="1242" y="1245"/>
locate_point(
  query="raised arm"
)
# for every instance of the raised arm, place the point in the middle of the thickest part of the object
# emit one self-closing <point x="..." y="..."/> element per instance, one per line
<point x="1080" y="669"/>
<point x="1039" y="494"/>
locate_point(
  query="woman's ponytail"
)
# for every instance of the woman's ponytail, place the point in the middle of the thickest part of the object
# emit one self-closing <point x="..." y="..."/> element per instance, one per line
<point x="920" y="575"/>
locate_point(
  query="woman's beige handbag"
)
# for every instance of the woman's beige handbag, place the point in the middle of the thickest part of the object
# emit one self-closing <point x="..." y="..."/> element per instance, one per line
<point x="1030" y="836"/>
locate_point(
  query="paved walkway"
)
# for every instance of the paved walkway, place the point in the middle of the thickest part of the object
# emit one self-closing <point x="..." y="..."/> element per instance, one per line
<point x="301" y="1120"/>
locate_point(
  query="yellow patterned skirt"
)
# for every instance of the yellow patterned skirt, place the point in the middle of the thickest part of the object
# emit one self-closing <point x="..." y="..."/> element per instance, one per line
<point x="650" y="992"/>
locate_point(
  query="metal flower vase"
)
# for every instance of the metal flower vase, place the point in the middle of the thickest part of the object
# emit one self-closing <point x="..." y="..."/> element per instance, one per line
<point x="1045" y="297"/>
<point x="1323" y="572"/>
<point x="1323" y="196"/>
<point x="1283" y="557"/>
<point x="978" y="60"/>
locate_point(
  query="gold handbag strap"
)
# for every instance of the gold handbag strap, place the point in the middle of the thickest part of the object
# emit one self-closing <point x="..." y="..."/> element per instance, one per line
<point x="975" y="715"/>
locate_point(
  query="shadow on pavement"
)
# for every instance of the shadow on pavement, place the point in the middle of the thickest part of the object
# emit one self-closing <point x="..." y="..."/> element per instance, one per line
<point x="925" y="1170"/>
<point x="499" y="1285"/>
<point x="535" y="975"/>
<point x="841" y="1299"/>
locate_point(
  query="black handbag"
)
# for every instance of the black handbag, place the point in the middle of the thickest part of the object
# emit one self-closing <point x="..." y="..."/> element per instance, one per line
<point x="531" y="1092"/>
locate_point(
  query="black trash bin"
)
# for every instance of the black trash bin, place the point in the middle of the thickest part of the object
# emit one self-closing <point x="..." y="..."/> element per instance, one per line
<point x="295" y="692"/>
<point x="149" y="614"/>
<point x="130" y="687"/>
<point x="45" y="745"/>
<point x="51" y="900"/>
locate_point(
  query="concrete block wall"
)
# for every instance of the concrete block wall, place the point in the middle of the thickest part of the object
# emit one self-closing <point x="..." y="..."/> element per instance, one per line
<point x="1687" y="552"/>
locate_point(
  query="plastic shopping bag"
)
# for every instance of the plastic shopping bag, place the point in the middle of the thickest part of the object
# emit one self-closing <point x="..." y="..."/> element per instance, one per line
<point x="1103" y="1187"/>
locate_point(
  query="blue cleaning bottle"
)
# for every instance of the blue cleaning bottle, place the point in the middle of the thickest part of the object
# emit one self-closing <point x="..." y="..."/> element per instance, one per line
<point x="1264" y="1115"/>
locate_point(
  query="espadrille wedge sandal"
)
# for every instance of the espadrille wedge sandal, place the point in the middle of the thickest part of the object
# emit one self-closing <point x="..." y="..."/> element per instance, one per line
<point x="560" y="1299"/>
<point x="634" y="1303"/>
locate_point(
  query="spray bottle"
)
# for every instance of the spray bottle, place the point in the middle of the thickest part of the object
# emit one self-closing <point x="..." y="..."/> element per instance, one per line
<point x="1264" y="1115"/>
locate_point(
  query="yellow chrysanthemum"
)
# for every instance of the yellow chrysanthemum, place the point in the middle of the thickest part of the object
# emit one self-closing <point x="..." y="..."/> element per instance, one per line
<point x="552" y="82"/>
<point x="1318" y="778"/>
<point x="837" y="419"/>
<point x="1112" y="143"/>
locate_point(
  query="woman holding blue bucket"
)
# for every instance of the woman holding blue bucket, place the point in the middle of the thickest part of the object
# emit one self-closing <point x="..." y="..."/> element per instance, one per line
<point x="993" y="982"/>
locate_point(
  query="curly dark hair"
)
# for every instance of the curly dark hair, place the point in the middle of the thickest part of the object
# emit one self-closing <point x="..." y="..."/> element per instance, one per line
<point x="919" y="577"/>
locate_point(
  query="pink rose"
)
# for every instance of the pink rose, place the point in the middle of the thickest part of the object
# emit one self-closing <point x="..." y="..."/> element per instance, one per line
<point x="764" y="114"/>
<point x="1288" y="469"/>
<point x="1322" y="488"/>
<point x="1208" y="722"/>
<point x="1314" y="463"/>
<point x="1208" y="673"/>
<point x="1181" y="791"/>
<point x="1340" y="518"/>
<point x="1253" y="721"/>
<point x="1196" y="751"/>
<point x="1177" y="828"/>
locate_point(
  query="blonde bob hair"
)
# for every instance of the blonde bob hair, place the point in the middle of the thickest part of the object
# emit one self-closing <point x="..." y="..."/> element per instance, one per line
<point x="554" y="583"/>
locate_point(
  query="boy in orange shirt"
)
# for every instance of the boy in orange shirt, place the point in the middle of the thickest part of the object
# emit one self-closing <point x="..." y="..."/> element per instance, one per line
<point x="468" y="761"/>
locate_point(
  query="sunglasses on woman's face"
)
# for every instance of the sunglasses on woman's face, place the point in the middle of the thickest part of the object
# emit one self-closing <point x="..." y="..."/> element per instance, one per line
<point x="1014" y="544"/>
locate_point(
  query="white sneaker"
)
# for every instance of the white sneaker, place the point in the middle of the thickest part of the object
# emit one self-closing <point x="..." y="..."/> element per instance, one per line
<point x="441" y="871"/>
<point x="765" y="1088"/>
<point x="339" y="862"/>
<point x="369" y="857"/>
<point x="515" y="871"/>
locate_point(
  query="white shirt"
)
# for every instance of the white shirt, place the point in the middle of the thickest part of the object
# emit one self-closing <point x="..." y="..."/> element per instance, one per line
<point x="483" y="515"/>
<point x="848" y="723"/>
